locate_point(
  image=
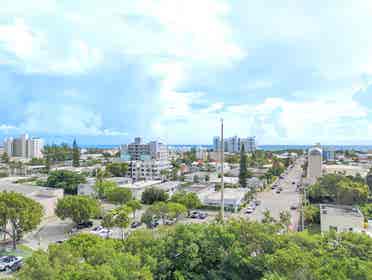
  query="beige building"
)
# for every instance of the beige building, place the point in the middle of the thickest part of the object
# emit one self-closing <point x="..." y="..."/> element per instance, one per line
<point x="314" y="169"/>
<point x="341" y="218"/>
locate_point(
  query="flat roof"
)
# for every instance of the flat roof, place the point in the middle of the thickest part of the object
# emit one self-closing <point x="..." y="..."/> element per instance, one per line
<point x="340" y="210"/>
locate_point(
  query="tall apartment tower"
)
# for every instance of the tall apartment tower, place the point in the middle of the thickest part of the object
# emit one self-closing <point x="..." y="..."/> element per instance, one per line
<point x="314" y="169"/>
<point x="138" y="150"/>
<point x="24" y="147"/>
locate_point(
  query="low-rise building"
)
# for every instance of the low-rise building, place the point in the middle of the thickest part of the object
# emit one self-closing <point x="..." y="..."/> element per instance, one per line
<point x="233" y="198"/>
<point x="341" y="218"/>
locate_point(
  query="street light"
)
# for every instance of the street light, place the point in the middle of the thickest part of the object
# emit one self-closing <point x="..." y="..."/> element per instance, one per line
<point x="222" y="175"/>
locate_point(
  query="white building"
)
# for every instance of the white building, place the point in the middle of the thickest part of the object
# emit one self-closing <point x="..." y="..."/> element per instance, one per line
<point x="138" y="150"/>
<point x="341" y="218"/>
<point x="314" y="170"/>
<point x="147" y="169"/>
<point x="234" y="144"/>
<point x="24" y="147"/>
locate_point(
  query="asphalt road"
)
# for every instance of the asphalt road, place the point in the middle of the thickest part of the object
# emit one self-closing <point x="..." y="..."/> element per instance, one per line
<point x="277" y="203"/>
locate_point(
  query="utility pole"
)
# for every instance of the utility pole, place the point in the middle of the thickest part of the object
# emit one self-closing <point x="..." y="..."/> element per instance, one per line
<point x="222" y="175"/>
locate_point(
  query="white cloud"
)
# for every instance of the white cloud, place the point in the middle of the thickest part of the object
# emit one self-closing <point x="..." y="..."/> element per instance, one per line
<point x="30" y="49"/>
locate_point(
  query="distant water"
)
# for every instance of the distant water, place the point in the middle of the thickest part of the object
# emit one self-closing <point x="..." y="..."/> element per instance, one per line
<point x="363" y="148"/>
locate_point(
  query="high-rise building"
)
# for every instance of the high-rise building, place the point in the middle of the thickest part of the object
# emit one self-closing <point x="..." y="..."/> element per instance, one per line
<point x="234" y="144"/>
<point x="24" y="147"/>
<point x="314" y="169"/>
<point x="138" y="150"/>
<point x="216" y="143"/>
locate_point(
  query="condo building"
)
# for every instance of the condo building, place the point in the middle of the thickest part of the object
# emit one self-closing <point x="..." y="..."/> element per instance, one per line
<point x="234" y="144"/>
<point x="24" y="147"/>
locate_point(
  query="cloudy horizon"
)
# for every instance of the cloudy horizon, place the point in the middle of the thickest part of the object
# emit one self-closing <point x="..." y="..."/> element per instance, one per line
<point x="294" y="72"/>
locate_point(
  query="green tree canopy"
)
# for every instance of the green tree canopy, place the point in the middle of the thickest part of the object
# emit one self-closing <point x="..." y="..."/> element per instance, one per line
<point x="78" y="208"/>
<point x="65" y="179"/>
<point x="117" y="169"/>
<point x="153" y="194"/>
<point x="188" y="199"/>
<point x="18" y="215"/>
<point x="75" y="154"/>
<point x="119" y="195"/>
<point x="338" y="189"/>
<point x="236" y="249"/>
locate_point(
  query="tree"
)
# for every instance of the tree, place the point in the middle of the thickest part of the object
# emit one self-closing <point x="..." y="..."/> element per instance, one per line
<point x="103" y="188"/>
<point x="118" y="217"/>
<point x="75" y="154"/>
<point x="5" y="157"/>
<point x="164" y="211"/>
<point x="369" y="180"/>
<point x="285" y="219"/>
<point x="153" y="194"/>
<point x="267" y="218"/>
<point x="78" y="208"/>
<point x="135" y="205"/>
<point x="18" y="215"/>
<point x="65" y="179"/>
<point x="189" y="200"/>
<point x="243" y="175"/>
<point x="119" y="195"/>
<point x="117" y="169"/>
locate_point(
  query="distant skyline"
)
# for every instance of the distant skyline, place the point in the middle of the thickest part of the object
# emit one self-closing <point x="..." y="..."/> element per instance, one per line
<point x="287" y="72"/>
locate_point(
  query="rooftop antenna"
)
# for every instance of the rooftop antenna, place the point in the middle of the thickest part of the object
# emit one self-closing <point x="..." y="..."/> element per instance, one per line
<point x="222" y="174"/>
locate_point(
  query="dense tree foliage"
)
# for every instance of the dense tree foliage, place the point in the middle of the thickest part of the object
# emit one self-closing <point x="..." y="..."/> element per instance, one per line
<point x="338" y="189"/>
<point x="118" y="217"/>
<point x="151" y="195"/>
<point x="78" y="208"/>
<point x="75" y="154"/>
<point x="234" y="250"/>
<point x="164" y="211"/>
<point x="104" y="187"/>
<point x="188" y="199"/>
<point x="57" y="153"/>
<point x="117" y="169"/>
<point x="18" y="215"/>
<point x="369" y="181"/>
<point x="243" y="172"/>
<point x="65" y="179"/>
<point x="135" y="205"/>
<point x="119" y="195"/>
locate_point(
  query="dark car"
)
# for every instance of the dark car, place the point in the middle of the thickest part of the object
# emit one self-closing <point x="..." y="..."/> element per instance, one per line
<point x="16" y="266"/>
<point x="278" y="191"/>
<point x="257" y="202"/>
<point x="203" y="216"/>
<point x="135" y="224"/>
<point x="83" y="225"/>
<point x="194" y="215"/>
<point x="154" y="224"/>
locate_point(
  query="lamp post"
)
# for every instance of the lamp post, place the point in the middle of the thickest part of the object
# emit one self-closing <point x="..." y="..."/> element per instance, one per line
<point x="222" y="175"/>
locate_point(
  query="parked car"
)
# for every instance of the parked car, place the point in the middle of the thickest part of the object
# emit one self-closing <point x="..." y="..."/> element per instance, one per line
<point x="7" y="262"/>
<point x="170" y="222"/>
<point x="294" y="206"/>
<point x="273" y="186"/>
<point x="154" y="224"/>
<point x="278" y="191"/>
<point x="83" y="225"/>
<point x="97" y="229"/>
<point x="203" y="216"/>
<point x="249" y="210"/>
<point x="194" y="215"/>
<point x="135" y="224"/>
<point x="257" y="202"/>
<point x="17" y="265"/>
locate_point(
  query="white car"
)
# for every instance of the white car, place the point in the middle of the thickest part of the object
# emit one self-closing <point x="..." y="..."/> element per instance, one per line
<point x="249" y="210"/>
<point x="6" y="262"/>
<point x="101" y="231"/>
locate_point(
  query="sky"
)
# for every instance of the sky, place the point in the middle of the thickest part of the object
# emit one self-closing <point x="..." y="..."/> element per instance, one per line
<point x="287" y="72"/>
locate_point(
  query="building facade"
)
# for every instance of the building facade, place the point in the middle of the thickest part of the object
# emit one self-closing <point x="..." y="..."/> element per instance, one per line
<point x="147" y="169"/>
<point x="314" y="169"/>
<point x="138" y="150"/>
<point x="234" y="144"/>
<point x="24" y="147"/>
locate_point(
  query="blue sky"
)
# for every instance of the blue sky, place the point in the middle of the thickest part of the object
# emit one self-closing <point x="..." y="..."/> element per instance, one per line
<point x="289" y="72"/>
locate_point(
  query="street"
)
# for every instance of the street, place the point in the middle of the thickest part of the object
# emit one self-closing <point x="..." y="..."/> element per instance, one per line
<point x="278" y="202"/>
